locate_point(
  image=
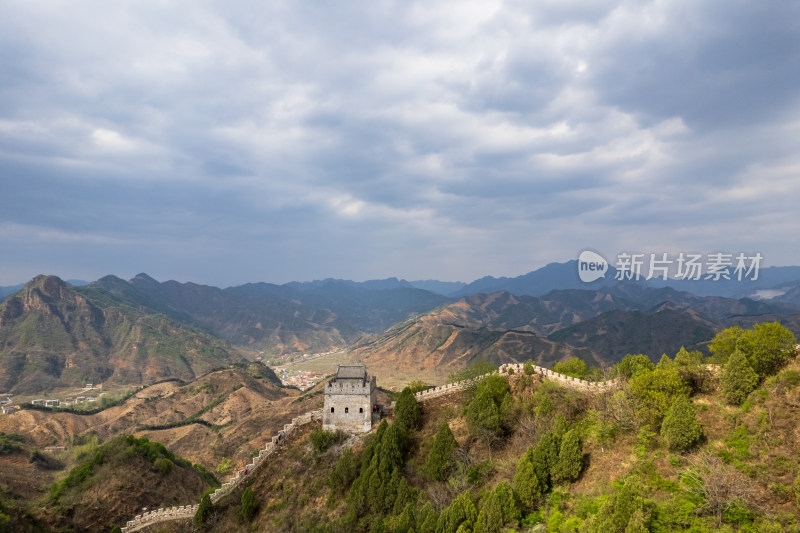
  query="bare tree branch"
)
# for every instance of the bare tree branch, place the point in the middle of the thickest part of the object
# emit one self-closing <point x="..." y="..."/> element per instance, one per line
<point x="720" y="486"/>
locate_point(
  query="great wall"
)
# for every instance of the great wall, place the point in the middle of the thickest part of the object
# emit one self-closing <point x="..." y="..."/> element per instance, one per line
<point x="188" y="511"/>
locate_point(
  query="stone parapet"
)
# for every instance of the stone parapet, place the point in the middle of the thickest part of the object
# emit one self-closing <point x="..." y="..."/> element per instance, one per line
<point x="188" y="511"/>
<point x="505" y="370"/>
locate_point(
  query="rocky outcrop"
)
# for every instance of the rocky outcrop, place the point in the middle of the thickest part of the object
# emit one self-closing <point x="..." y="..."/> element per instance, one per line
<point x="53" y="335"/>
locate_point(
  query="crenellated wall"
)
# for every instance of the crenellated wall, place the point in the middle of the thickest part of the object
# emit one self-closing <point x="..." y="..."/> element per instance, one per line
<point x="188" y="511"/>
<point x="580" y="384"/>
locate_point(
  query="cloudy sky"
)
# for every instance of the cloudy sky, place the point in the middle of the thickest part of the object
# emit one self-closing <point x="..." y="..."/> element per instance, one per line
<point x="231" y="142"/>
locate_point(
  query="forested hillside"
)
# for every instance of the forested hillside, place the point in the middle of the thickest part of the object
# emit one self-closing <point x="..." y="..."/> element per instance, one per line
<point x="679" y="446"/>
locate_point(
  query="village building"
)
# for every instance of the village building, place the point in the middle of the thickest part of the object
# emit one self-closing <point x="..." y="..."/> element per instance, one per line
<point x="350" y="401"/>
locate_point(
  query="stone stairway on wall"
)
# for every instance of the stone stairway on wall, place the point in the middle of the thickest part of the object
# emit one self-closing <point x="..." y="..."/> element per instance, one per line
<point x="188" y="511"/>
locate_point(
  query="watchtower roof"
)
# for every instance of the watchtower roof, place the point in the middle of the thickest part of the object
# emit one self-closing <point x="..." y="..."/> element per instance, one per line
<point x="351" y="372"/>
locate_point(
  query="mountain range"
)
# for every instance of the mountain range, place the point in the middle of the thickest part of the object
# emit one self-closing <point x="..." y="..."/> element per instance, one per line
<point x="53" y="333"/>
<point x="599" y="326"/>
<point x="771" y="281"/>
<point x="211" y="406"/>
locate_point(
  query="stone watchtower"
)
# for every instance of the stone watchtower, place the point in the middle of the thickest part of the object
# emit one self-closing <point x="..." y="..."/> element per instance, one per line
<point x="350" y="400"/>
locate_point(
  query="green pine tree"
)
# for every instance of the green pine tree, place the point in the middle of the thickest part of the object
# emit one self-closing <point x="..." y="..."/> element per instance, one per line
<point x="487" y="412"/>
<point x="249" y="505"/>
<point x="374" y="486"/>
<point x="768" y="347"/>
<point x="724" y="343"/>
<point x="526" y="484"/>
<point x="665" y="362"/>
<point x="620" y="508"/>
<point x="573" y="366"/>
<point x="544" y="458"/>
<point x="344" y="472"/>
<point x="638" y="522"/>
<point x="508" y="502"/>
<point x="204" y="511"/>
<point x="405" y="495"/>
<point x="393" y="446"/>
<point x="570" y="458"/>
<point x="692" y="371"/>
<point x="633" y="365"/>
<point x="480" y="524"/>
<point x="440" y="459"/>
<point x="680" y="426"/>
<point x="494" y="513"/>
<point x="686" y="358"/>
<point x="460" y="511"/>
<point x="797" y="490"/>
<point x="654" y="393"/>
<point x="407" y="410"/>
<point x="738" y="378"/>
<point x="427" y="519"/>
<point x="404" y="522"/>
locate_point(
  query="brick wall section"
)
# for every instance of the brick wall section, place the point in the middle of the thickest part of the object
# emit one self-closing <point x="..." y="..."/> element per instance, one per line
<point x="568" y="381"/>
<point x="188" y="511"/>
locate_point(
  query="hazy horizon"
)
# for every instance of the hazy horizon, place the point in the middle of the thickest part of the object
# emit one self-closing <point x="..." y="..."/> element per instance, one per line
<point x="130" y="276"/>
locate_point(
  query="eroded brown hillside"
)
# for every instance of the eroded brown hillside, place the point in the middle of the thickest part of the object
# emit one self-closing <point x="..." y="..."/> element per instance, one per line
<point x="53" y="336"/>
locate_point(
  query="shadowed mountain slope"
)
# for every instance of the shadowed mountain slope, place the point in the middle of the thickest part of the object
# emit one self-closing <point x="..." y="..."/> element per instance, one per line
<point x="279" y="318"/>
<point x="53" y="335"/>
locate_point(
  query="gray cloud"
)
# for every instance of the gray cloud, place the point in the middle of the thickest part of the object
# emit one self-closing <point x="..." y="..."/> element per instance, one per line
<point x="244" y="142"/>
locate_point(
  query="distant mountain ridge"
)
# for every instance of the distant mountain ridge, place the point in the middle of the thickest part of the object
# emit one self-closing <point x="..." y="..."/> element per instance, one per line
<point x="664" y="329"/>
<point x="443" y="288"/>
<point x="55" y="333"/>
<point x="600" y="326"/>
<point x="278" y="318"/>
<point x="565" y="276"/>
<point x="538" y="282"/>
<point x="431" y="346"/>
<point x="553" y="276"/>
